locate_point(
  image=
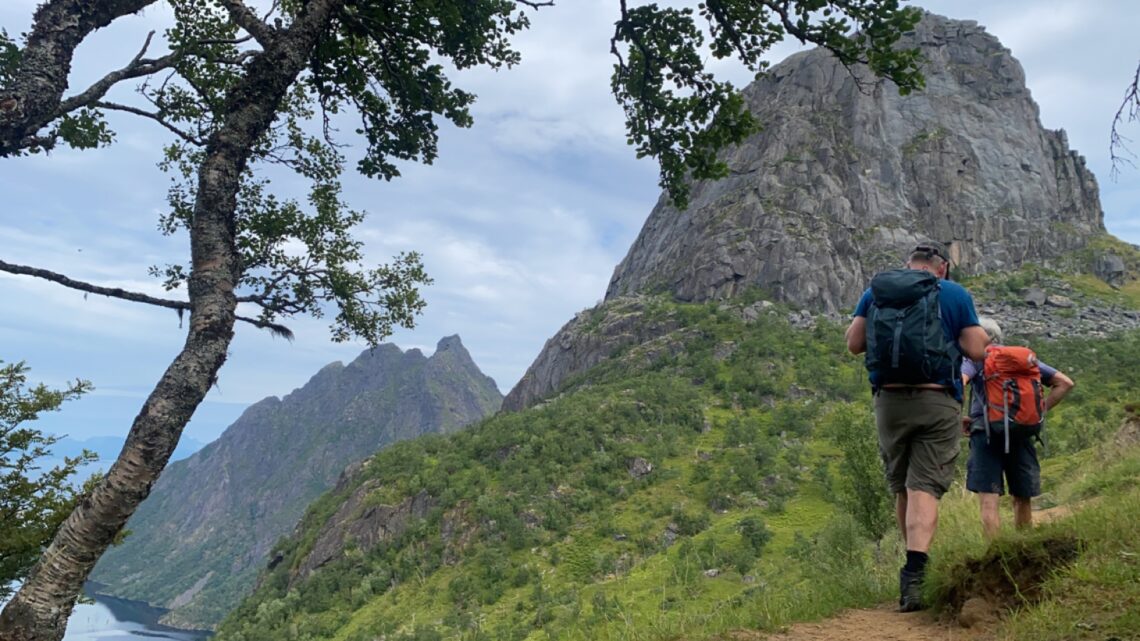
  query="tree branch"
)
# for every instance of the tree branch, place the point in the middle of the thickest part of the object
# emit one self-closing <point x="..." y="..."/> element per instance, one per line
<point x="276" y="329"/>
<point x="114" y="106"/>
<point x="245" y="18"/>
<point x="795" y="29"/>
<point x="32" y="99"/>
<point x="136" y="68"/>
<point x="113" y="292"/>
<point x="239" y="59"/>
<point x="225" y="41"/>
<point x="1129" y="111"/>
<point x="180" y="306"/>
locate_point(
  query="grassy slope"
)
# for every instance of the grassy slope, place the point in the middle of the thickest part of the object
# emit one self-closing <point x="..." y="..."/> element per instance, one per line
<point x="565" y="544"/>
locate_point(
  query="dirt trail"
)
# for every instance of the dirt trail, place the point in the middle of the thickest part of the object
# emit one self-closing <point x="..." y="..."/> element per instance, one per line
<point x="1049" y="515"/>
<point x="883" y="623"/>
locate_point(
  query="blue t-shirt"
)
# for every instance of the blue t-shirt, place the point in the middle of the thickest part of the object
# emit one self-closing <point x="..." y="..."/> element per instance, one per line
<point x="972" y="370"/>
<point x="957" y="314"/>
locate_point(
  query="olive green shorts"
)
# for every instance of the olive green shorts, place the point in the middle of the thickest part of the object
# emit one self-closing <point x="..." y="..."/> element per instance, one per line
<point x="919" y="434"/>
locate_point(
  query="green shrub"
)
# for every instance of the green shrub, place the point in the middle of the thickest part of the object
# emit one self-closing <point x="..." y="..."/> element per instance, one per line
<point x="861" y="488"/>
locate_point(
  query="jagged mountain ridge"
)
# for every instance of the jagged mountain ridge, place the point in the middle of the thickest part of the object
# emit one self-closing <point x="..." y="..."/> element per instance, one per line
<point x="845" y="176"/>
<point x="197" y="542"/>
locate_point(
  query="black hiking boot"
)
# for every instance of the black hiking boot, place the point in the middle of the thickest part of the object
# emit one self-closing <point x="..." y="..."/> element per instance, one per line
<point x="910" y="591"/>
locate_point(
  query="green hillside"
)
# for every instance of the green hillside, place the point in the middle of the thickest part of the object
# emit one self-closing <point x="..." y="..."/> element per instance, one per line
<point x="764" y="503"/>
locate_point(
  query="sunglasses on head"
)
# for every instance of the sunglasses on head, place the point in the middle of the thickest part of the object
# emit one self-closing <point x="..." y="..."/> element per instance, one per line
<point x="929" y="250"/>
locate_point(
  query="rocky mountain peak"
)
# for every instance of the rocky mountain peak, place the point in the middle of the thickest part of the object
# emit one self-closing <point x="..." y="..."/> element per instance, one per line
<point x="452" y="350"/>
<point x="451" y="343"/>
<point x="847" y="175"/>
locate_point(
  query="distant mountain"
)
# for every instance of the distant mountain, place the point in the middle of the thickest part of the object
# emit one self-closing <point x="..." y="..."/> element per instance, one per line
<point x="107" y="447"/>
<point x="198" y="541"/>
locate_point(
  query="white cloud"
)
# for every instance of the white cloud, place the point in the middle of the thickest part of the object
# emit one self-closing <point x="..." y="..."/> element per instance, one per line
<point x="1030" y="28"/>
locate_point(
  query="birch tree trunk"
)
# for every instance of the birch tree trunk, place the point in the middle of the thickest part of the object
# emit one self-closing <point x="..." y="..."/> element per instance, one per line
<point x="39" y="611"/>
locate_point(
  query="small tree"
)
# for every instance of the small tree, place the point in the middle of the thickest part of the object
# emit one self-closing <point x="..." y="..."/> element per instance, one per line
<point x="33" y="501"/>
<point x="862" y="489"/>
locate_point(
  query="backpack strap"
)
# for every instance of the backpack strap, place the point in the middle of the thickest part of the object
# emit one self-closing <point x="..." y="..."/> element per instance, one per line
<point x="985" y="401"/>
<point x="1005" y="400"/>
<point x="869" y="332"/>
<point x="895" y="350"/>
<point x="926" y="369"/>
<point x="985" y="410"/>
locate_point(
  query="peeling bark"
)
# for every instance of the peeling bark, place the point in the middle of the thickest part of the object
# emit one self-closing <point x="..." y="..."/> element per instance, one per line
<point x="39" y="611"/>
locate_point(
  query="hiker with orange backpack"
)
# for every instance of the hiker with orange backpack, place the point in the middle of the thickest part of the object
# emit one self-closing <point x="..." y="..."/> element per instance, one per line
<point x="1007" y="413"/>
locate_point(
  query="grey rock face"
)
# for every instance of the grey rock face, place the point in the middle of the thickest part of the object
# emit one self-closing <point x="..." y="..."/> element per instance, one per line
<point x="1034" y="296"/>
<point x="639" y="468"/>
<point x="585" y="341"/>
<point x="1111" y="269"/>
<point x="198" y="541"/>
<point x="843" y="180"/>
<point x="365" y="526"/>
<point x="1057" y="300"/>
<point x="847" y="175"/>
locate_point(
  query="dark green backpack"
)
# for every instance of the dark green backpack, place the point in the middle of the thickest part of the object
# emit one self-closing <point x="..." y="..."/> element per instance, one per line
<point x="905" y="341"/>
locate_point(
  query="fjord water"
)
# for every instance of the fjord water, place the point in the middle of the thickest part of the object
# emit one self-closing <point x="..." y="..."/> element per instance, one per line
<point x="111" y="619"/>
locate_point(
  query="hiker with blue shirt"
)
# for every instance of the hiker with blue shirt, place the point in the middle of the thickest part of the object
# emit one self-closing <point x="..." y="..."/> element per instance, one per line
<point x="1006" y="450"/>
<point x="914" y="326"/>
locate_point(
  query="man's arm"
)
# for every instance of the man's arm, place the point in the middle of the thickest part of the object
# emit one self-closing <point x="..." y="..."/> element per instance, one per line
<point x="857" y="335"/>
<point x="1060" y="386"/>
<point x="960" y="311"/>
<point x="972" y="341"/>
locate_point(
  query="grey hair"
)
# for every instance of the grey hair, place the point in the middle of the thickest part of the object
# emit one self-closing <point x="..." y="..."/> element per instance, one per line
<point x="993" y="330"/>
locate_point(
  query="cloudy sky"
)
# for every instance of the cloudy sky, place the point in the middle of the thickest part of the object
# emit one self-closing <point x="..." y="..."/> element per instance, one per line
<point x="521" y="220"/>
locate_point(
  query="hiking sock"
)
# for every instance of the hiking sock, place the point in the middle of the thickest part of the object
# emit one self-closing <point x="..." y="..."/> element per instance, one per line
<point x="916" y="562"/>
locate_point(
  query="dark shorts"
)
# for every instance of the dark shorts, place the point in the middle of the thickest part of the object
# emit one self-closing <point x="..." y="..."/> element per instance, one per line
<point x="989" y="463"/>
<point x="919" y="433"/>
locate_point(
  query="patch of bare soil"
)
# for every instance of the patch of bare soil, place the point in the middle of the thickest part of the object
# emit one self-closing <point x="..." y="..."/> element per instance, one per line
<point x="1048" y="515"/>
<point x="1009" y="577"/>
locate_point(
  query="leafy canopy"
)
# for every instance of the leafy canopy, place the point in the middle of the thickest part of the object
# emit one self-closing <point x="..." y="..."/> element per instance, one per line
<point x="33" y="501"/>
<point x="678" y="112"/>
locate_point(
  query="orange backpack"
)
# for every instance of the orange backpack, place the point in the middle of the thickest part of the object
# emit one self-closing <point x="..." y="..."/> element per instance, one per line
<point x="1012" y="394"/>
